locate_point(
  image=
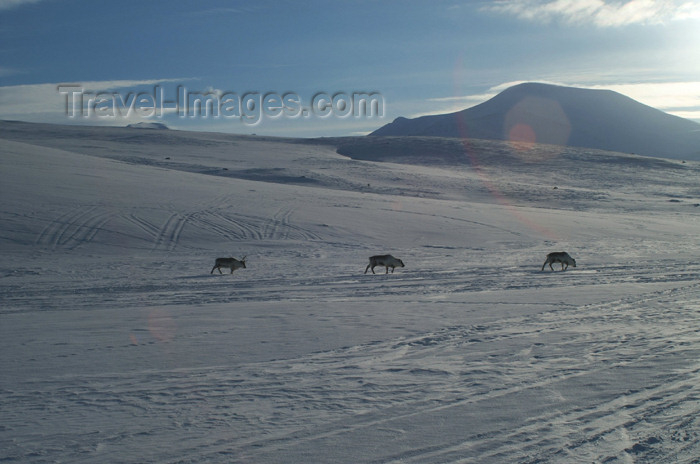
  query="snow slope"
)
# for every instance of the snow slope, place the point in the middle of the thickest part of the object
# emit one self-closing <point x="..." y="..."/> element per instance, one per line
<point x="118" y="345"/>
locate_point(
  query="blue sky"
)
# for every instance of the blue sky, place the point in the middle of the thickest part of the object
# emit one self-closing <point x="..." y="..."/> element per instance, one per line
<point x="121" y="60"/>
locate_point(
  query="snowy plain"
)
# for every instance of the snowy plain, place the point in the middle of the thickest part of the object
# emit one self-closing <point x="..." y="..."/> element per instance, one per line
<point x="118" y="345"/>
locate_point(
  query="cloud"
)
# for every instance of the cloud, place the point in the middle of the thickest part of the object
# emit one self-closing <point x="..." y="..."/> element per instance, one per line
<point x="9" y="4"/>
<point x="692" y="115"/>
<point x="672" y="97"/>
<point x="45" y="103"/>
<point x="103" y="86"/>
<point x="601" y="13"/>
<point x="443" y="105"/>
<point x="5" y="71"/>
<point x="228" y="11"/>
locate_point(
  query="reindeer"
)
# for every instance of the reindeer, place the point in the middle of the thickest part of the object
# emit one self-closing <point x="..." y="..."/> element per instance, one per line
<point x="387" y="261"/>
<point x="561" y="257"/>
<point x="231" y="263"/>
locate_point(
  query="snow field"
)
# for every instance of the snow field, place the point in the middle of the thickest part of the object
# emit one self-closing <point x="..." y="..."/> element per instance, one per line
<point x="118" y="345"/>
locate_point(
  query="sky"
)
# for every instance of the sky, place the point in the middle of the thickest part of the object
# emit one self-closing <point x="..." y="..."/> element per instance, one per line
<point x="313" y="68"/>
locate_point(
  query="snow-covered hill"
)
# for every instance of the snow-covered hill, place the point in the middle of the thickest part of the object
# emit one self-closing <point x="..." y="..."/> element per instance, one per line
<point x="568" y="116"/>
<point x="118" y="345"/>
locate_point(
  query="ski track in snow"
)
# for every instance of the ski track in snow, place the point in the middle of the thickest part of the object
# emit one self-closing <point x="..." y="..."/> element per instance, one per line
<point x="546" y="374"/>
<point x="169" y="233"/>
<point x="80" y="226"/>
<point x="150" y="229"/>
<point x="232" y="226"/>
<point x="74" y="228"/>
<point x="422" y="286"/>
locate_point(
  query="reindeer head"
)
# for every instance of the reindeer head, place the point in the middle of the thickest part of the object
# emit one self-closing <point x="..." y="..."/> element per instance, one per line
<point x="242" y="260"/>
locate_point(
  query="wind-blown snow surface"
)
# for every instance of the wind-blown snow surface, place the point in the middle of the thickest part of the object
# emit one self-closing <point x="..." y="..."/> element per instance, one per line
<point x="118" y="345"/>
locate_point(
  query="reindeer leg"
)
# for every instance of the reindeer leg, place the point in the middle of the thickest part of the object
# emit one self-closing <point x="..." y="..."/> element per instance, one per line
<point x="367" y="268"/>
<point x="212" y="270"/>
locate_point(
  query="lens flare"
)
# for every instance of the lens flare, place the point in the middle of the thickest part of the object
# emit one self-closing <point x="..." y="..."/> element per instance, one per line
<point x="161" y="325"/>
<point x="535" y="120"/>
<point x="522" y="136"/>
<point x="523" y="130"/>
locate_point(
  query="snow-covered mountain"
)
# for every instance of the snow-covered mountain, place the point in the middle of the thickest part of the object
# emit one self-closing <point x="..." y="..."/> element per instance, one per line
<point x="543" y="113"/>
<point x="148" y="125"/>
<point x="118" y="345"/>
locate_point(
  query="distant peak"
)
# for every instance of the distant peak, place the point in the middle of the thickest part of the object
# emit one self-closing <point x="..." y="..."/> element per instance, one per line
<point x="149" y="125"/>
<point x="560" y="115"/>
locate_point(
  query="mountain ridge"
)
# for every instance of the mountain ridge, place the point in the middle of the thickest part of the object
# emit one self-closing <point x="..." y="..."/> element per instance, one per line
<point x="559" y="115"/>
